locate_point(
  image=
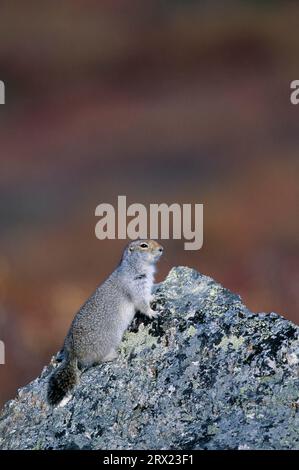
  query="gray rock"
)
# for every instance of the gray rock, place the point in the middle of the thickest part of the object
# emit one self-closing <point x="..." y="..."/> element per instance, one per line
<point x="208" y="374"/>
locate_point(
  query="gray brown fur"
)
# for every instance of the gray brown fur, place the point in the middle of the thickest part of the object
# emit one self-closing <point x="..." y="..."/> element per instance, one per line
<point x="98" y="327"/>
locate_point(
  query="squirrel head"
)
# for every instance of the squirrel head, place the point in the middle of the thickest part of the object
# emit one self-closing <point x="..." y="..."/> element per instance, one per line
<point x="148" y="251"/>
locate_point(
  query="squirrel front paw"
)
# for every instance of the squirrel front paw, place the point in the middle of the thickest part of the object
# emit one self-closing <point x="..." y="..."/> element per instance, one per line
<point x="151" y="313"/>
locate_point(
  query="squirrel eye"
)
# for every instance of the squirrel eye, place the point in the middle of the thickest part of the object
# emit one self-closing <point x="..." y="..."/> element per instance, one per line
<point x="144" y="245"/>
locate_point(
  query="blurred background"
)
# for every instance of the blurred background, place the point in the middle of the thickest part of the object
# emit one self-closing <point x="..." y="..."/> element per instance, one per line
<point x="162" y="101"/>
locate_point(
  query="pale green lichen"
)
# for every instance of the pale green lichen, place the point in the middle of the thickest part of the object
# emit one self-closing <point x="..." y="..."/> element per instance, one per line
<point x="137" y="342"/>
<point x="234" y="341"/>
<point x="212" y="429"/>
<point x="191" y="331"/>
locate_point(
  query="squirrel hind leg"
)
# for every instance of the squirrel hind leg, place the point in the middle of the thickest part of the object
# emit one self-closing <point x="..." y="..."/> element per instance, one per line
<point x="111" y="356"/>
<point x="94" y="360"/>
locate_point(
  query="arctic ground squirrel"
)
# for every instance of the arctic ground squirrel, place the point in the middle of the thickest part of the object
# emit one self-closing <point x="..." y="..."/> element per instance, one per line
<point x="98" y="327"/>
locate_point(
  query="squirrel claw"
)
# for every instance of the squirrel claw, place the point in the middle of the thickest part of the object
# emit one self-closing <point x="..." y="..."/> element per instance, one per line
<point x="152" y="314"/>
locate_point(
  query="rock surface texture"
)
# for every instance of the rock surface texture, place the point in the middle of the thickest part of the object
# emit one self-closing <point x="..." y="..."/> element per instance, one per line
<point x="207" y="374"/>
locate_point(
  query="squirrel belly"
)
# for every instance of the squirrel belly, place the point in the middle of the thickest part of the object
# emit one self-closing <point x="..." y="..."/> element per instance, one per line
<point x="98" y="327"/>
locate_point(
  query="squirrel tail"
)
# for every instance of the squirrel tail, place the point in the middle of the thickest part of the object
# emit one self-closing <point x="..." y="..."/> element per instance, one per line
<point x="62" y="381"/>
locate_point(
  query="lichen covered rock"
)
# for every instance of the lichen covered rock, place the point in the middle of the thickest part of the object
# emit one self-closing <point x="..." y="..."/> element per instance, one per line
<point x="207" y="374"/>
